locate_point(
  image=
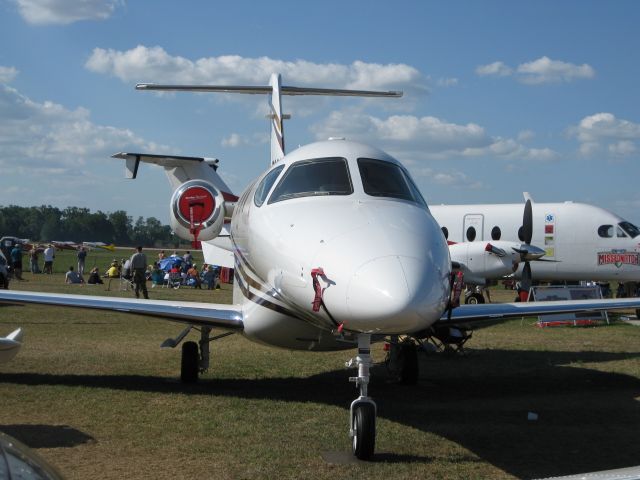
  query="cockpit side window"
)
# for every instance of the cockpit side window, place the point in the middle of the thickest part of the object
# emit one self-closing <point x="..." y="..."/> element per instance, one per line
<point x="630" y="228"/>
<point x="620" y="233"/>
<point x="605" y="231"/>
<point x="265" y="185"/>
<point x="386" y="179"/>
<point x="320" y="176"/>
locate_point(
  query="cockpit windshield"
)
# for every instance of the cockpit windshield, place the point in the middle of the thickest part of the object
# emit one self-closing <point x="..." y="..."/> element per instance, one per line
<point x="386" y="179"/>
<point x="319" y="176"/>
<point x="630" y="228"/>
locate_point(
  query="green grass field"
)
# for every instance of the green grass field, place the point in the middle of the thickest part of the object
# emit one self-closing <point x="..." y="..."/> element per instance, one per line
<point x="96" y="396"/>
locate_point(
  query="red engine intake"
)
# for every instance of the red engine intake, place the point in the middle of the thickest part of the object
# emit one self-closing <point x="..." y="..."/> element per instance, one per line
<point x="197" y="211"/>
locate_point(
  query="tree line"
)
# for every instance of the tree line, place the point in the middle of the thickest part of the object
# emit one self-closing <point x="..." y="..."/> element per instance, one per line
<point x="47" y="223"/>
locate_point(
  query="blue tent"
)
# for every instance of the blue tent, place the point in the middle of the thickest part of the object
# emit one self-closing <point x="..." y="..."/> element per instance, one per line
<point x="167" y="264"/>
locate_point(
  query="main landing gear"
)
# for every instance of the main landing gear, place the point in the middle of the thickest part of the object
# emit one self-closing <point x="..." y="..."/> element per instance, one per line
<point x="195" y="355"/>
<point x="363" y="409"/>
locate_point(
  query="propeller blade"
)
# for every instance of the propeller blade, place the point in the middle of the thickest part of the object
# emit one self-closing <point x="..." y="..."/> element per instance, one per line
<point x="529" y="252"/>
<point x="527" y="222"/>
<point x="526" y="277"/>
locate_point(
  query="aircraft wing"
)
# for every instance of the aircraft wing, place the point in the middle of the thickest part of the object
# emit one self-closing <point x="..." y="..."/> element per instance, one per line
<point x="217" y="315"/>
<point x="465" y="315"/>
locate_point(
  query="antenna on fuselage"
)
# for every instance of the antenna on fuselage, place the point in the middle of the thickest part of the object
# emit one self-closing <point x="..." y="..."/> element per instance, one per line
<point x="275" y="90"/>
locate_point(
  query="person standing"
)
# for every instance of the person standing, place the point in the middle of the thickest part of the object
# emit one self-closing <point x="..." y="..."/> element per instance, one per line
<point x="82" y="255"/>
<point x="16" y="260"/>
<point x="49" y="255"/>
<point x="138" y="263"/>
<point x="33" y="260"/>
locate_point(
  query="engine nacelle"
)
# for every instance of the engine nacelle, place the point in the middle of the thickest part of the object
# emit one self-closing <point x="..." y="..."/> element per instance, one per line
<point x="197" y="206"/>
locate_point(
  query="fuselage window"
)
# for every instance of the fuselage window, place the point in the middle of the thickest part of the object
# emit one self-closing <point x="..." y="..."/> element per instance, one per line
<point x="308" y="178"/>
<point x="265" y="185"/>
<point x="386" y="179"/>
<point x="630" y="228"/>
<point x="496" y="233"/>
<point x="605" y="231"/>
<point x="471" y="234"/>
<point x="445" y="232"/>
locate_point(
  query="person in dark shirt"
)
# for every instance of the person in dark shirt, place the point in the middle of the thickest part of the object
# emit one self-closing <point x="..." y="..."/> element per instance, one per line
<point x="138" y="263"/>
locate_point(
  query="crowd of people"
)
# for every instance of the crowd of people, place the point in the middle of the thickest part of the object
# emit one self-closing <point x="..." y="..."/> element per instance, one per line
<point x="173" y="270"/>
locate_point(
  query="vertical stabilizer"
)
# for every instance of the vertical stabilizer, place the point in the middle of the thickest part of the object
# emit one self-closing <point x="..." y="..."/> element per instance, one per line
<point x="277" y="132"/>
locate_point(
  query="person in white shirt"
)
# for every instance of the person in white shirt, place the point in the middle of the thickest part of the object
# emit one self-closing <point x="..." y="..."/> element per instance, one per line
<point x="49" y="255"/>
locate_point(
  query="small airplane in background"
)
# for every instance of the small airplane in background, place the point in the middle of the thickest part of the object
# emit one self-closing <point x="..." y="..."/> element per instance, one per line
<point x="68" y="245"/>
<point x="334" y="248"/>
<point x="580" y="241"/>
<point x="11" y="345"/>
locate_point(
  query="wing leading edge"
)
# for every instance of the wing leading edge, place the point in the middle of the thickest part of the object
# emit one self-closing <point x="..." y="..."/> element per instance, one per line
<point x="469" y="314"/>
<point x="216" y="315"/>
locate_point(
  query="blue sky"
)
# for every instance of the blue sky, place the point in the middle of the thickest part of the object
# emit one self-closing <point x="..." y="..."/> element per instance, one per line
<point x="501" y="97"/>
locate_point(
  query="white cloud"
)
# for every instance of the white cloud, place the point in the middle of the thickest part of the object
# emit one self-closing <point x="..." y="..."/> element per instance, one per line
<point x="622" y="148"/>
<point x="603" y="131"/>
<point x="424" y="137"/>
<point x="235" y="140"/>
<point x="498" y="69"/>
<point x="54" y="139"/>
<point x="155" y="64"/>
<point x="7" y="74"/>
<point x="540" y="71"/>
<point x="526" y="135"/>
<point x="64" y="12"/>
<point x="545" y="70"/>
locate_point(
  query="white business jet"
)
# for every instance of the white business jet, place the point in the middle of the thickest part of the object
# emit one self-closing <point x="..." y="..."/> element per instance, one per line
<point x="334" y="248"/>
<point x="11" y="345"/>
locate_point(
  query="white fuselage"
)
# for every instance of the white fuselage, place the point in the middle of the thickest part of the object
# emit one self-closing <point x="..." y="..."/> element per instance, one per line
<point x="576" y="235"/>
<point x="385" y="262"/>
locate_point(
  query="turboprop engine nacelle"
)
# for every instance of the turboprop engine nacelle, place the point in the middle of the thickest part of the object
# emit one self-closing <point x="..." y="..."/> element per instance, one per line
<point x="197" y="211"/>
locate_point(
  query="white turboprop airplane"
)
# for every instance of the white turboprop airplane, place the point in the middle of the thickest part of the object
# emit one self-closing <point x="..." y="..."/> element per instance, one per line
<point x="11" y="345"/>
<point x="583" y="242"/>
<point x="334" y="248"/>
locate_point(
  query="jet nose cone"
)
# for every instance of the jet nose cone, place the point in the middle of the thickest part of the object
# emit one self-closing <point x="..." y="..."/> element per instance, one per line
<point x="390" y="294"/>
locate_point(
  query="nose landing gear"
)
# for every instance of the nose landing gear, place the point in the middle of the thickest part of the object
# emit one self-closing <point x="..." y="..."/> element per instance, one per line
<point x="363" y="409"/>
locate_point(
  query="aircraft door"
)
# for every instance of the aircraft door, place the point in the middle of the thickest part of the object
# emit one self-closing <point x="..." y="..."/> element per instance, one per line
<point x="473" y="227"/>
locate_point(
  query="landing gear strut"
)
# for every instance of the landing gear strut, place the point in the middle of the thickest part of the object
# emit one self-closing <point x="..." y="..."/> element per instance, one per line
<point x="363" y="409"/>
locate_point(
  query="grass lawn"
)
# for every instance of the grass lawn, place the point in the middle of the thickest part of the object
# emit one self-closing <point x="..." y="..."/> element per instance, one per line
<point x="96" y="396"/>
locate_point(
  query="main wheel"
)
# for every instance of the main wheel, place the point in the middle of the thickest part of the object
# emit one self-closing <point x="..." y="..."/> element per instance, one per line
<point x="364" y="430"/>
<point x="474" y="299"/>
<point x="189" y="364"/>
<point x="409" y="363"/>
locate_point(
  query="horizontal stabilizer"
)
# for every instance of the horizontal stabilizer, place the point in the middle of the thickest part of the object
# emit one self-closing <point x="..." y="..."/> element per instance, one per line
<point x="169" y="161"/>
<point x="268" y="89"/>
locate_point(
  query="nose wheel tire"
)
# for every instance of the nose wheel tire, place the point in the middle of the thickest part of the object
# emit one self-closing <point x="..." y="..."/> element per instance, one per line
<point x="364" y="430"/>
<point x="189" y="364"/>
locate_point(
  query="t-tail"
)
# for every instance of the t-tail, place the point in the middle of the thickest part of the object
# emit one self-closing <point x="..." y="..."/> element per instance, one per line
<point x="275" y="90"/>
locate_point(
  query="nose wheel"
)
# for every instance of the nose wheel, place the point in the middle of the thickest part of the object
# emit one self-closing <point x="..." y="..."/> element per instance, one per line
<point x="363" y="409"/>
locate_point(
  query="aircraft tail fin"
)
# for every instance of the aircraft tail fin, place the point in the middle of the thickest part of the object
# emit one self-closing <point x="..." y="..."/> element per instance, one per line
<point x="275" y="90"/>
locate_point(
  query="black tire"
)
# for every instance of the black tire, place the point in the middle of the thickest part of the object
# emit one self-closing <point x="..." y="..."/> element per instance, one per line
<point x="638" y="314"/>
<point x="474" y="299"/>
<point x="189" y="365"/>
<point x="409" y="364"/>
<point x="364" y="430"/>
